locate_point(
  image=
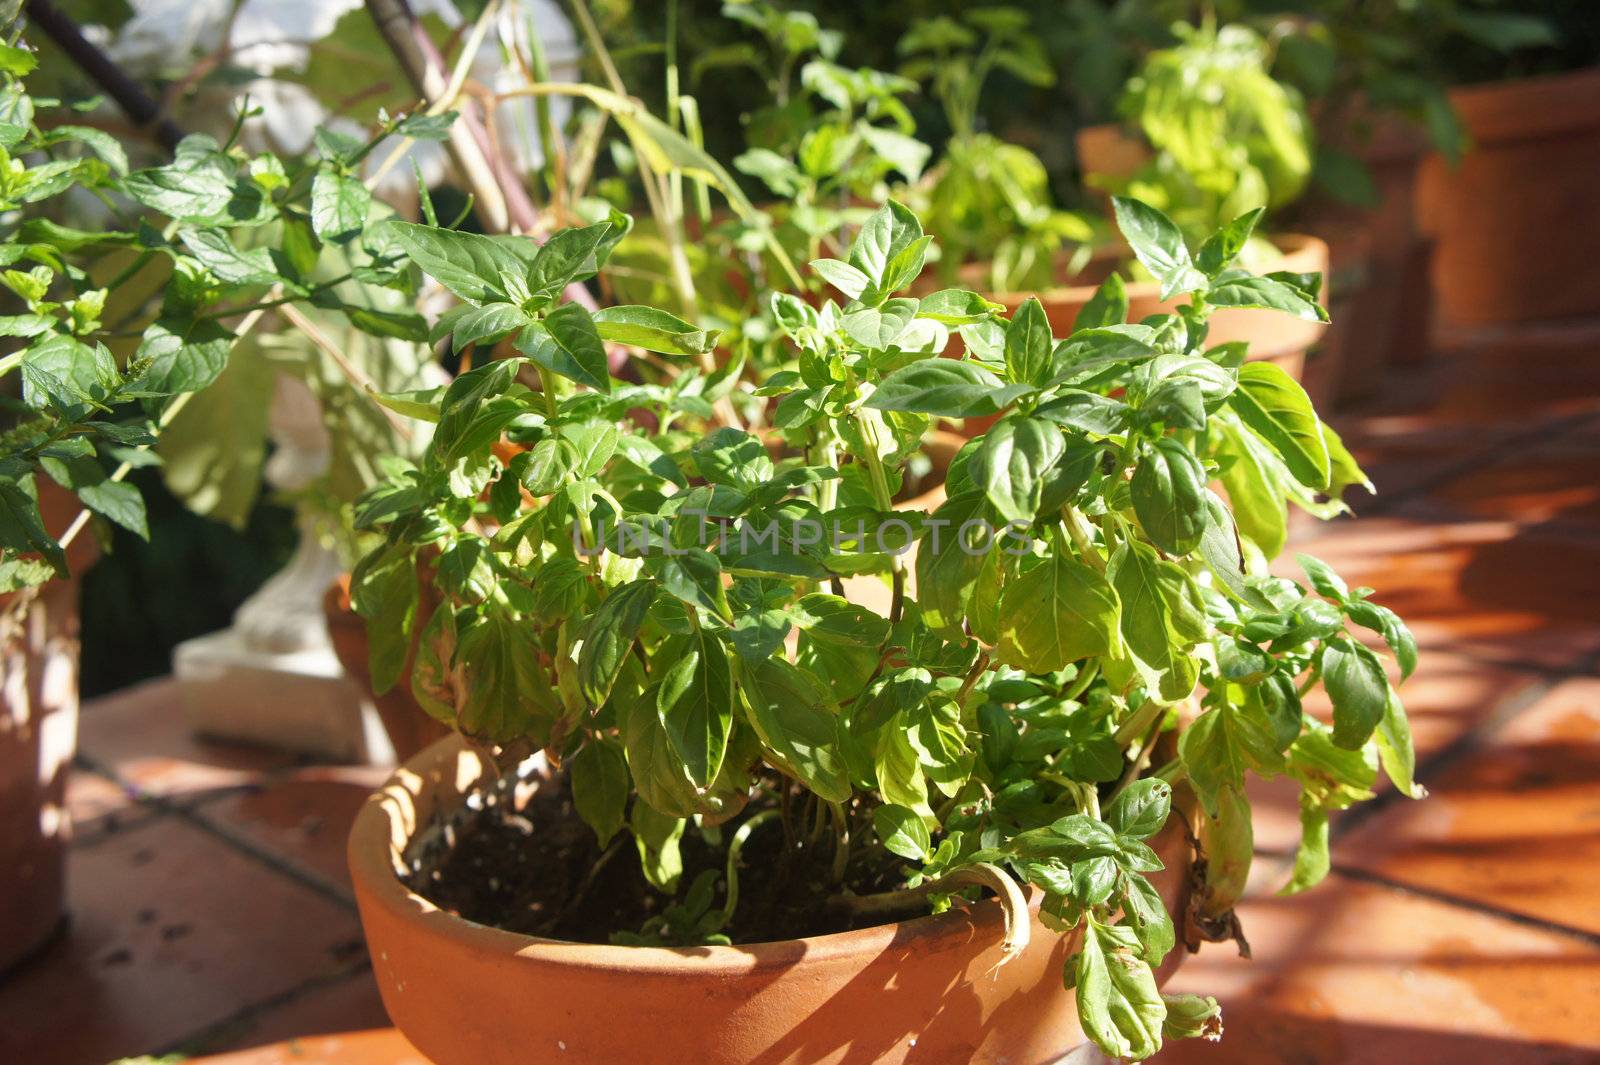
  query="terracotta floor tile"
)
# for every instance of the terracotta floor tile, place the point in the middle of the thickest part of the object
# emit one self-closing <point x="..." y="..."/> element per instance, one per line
<point x="1515" y="824"/>
<point x="1488" y="588"/>
<point x="172" y="931"/>
<point x="302" y="817"/>
<point x="349" y="1006"/>
<point x="1354" y="974"/>
<point x="381" y="1047"/>
<point x="1556" y="486"/>
<point x="99" y="805"/>
<point x="140" y="737"/>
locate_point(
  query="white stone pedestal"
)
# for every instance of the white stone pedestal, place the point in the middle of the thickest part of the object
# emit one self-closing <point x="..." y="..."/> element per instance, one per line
<point x="272" y="676"/>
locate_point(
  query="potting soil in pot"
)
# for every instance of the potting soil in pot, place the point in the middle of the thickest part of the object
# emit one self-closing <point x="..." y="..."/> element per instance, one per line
<point x="528" y="865"/>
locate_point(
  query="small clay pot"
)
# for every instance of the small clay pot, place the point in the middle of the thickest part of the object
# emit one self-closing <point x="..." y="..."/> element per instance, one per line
<point x="409" y="727"/>
<point x="1515" y="223"/>
<point x="926" y="990"/>
<point x="39" y="706"/>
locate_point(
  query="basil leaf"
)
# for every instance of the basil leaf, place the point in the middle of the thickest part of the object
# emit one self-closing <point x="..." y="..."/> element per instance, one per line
<point x="1223" y="246"/>
<point x="1168" y="492"/>
<point x="339" y="207"/>
<point x="1028" y="345"/>
<point x="793" y="715"/>
<point x="1158" y="244"/>
<point x="610" y="635"/>
<point x="653" y="330"/>
<point x="902" y="831"/>
<point x="1119" y="1005"/>
<point x="1055" y="613"/>
<point x="1011" y="463"/>
<point x="945" y="387"/>
<point x="1358" y="688"/>
<point x="600" y="785"/>
<point x="1140" y="810"/>
<point x="1269" y="401"/>
<point x="1108" y="305"/>
<point x="695" y="701"/>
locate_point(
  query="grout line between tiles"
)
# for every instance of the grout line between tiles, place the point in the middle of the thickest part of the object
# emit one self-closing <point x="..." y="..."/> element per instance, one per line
<point x="249" y="848"/>
<point x="1474" y="905"/>
<point x="214" y="1036"/>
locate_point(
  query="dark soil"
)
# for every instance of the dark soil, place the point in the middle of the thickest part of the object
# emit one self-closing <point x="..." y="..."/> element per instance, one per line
<point x="533" y="871"/>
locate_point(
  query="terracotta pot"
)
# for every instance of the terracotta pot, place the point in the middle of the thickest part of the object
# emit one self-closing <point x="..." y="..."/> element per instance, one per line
<point x="38" y="736"/>
<point x="408" y="725"/>
<point x="1272" y="336"/>
<point x="923" y="990"/>
<point x="1515" y="222"/>
<point x="1110" y="150"/>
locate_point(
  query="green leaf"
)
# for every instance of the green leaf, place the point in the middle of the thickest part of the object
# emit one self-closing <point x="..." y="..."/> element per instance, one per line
<point x="383" y="590"/>
<point x="1264" y="293"/>
<point x="339" y="207"/>
<point x="218" y="254"/>
<point x="945" y="387"/>
<point x="185" y="355"/>
<point x="1323" y="578"/>
<point x="658" y="773"/>
<point x="485" y="324"/>
<point x="1381" y="619"/>
<point x="792" y="713"/>
<point x="507" y="695"/>
<point x="573" y="254"/>
<point x="695" y="701"/>
<point x="1147" y="619"/>
<point x="1223" y="246"/>
<point x="1088" y="411"/>
<point x="118" y="502"/>
<point x="1140" y="810"/>
<point x="1029" y="345"/>
<point x="610" y="635"/>
<point x="1119" y="1005"/>
<point x="902" y="831"/>
<point x="1011" y="462"/>
<point x="1157" y="242"/>
<point x="657" y="837"/>
<point x="1192" y="1017"/>
<point x="1055" y="613"/>
<point x="833" y="619"/>
<point x="477" y="268"/>
<point x="1220" y="745"/>
<point x="884" y="250"/>
<point x="1311" y="859"/>
<point x="947" y="567"/>
<point x="1270" y="402"/>
<point x="954" y="306"/>
<point x="879" y="327"/>
<point x="566" y="342"/>
<point x="427" y="128"/>
<point x="22" y="529"/>
<point x="600" y="786"/>
<point x="842" y="276"/>
<point x="1168" y="493"/>
<point x="1358" y="688"/>
<point x="653" y="330"/>
<point x="1108" y="305"/>
<point x="1395" y="751"/>
<point x="1254" y="478"/>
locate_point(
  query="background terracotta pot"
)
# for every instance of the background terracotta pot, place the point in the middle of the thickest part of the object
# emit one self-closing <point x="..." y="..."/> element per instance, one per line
<point x="1274" y="337"/>
<point x="38" y="736"/>
<point x="924" y="990"/>
<point x="1515" y="224"/>
<point x="408" y="725"/>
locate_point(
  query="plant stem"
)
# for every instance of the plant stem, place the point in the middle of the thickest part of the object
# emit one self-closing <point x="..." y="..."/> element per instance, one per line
<point x="128" y="94"/>
<point x="735" y="846"/>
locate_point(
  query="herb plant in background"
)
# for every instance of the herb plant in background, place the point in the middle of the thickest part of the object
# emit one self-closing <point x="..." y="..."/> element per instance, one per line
<point x="1227" y="136"/>
<point x="989" y="201"/>
<point x="613" y="578"/>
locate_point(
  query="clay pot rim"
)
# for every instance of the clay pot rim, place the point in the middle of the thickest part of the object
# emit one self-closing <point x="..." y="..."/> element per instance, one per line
<point x="1529" y="108"/>
<point x="382" y="821"/>
<point x="1299" y="249"/>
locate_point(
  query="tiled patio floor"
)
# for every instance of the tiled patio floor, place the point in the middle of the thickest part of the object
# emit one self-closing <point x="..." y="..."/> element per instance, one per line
<point x="212" y="913"/>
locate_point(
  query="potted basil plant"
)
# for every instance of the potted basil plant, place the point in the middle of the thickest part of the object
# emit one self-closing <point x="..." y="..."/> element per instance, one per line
<point x="703" y="808"/>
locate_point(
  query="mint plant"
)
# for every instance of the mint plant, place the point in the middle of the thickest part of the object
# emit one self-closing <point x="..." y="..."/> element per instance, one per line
<point x="597" y="569"/>
<point x="101" y="373"/>
<point x="988" y="200"/>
